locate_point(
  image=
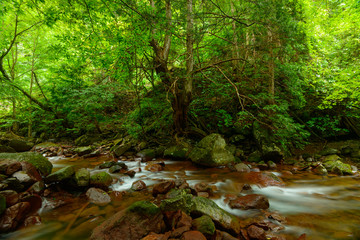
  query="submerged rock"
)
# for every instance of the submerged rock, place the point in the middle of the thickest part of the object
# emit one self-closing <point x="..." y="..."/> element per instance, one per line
<point x="98" y="196"/>
<point x="43" y="165"/>
<point x="211" y="151"/>
<point x="263" y="179"/>
<point x="251" y="201"/>
<point x="133" y="223"/>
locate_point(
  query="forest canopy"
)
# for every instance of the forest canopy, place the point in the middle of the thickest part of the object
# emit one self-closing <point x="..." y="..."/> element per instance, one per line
<point x="180" y="67"/>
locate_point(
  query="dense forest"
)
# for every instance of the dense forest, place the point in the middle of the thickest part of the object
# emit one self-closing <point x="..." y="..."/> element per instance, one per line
<point x="180" y="68"/>
<point x="179" y="119"/>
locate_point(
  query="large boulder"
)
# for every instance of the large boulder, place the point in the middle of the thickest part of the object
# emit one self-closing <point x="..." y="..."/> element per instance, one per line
<point x="82" y="177"/>
<point x="60" y="175"/>
<point x="211" y="151"/>
<point x="4" y="149"/>
<point x="133" y="223"/>
<point x="43" y="165"/>
<point x="338" y="167"/>
<point x="20" y="145"/>
<point x="101" y="180"/>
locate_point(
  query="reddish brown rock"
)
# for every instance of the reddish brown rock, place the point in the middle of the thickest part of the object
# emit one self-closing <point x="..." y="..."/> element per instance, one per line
<point x="32" y="220"/>
<point x="263" y="179"/>
<point x="251" y="201"/>
<point x="177" y="219"/>
<point x="35" y="202"/>
<point x="154" y="167"/>
<point x="11" y="197"/>
<point x="176" y="233"/>
<point x="13" y="216"/>
<point x="138" y="185"/>
<point x="255" y="232"/>
<point x="9" y="167"/>
<point x="203" y="194"/>
<point x="220" y="235"/>
<point x="163" y="187"/>
<point x="31" y="171"/>
<point x="154" y="236"/>
<point x="193" y="235"/>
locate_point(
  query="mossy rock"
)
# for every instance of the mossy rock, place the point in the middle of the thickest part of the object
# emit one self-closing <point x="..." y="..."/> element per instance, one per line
<point x="82" y="177"/>
<point x="176" y="152"/>
<point x="147" y="153"/>
<point x="338" y="167"/>
<point x="101" y="179"/>
<point x="204" y="224"/>
<point x="6" y="149"/>
<point x="144" y="208"/>
<point x="329" y="151"/>
<point x="332" y="157"/>
<point x="86" y="140"/>
<point x="211" y="151"/>
<point x="83" y="150"/>
<point x="182" y="202"/>
<point x="120" y="150"/>
<point x="46" y="145"/>
<point x="43" y="165"/>
<point x="60" y="175"/>
<point x="254" y="157"/>
<point x="20" y="145"/>
<point x="2" y="204"/>
<point x="205" y="206"/>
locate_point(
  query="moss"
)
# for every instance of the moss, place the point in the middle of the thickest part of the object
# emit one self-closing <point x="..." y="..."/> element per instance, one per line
<point x="60" y="175"/>
<point x="181" y="202"/>
<point x="82" y="177"/>
<point x="101" y="179"/>
<point x="144" y="208"/>
<point x="43" y="165"/>
<point x="204" y="224"/>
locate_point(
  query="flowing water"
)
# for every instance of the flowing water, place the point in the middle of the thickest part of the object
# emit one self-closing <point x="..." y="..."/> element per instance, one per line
<point x="322" y="207"/>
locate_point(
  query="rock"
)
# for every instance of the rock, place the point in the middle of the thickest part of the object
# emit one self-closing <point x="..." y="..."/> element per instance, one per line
<point x="263" y="179"/>
<point x="346" y="150"/>
<point x="211" y="151"/>
<point x="254" y="157"/>
<point x="163" y="187"/>
<point x="86" y="140"/>
<point x="320" y="170"/>
<point x="20" y="145"/>
<point x="120" y="150"/>
<point x="255" y="232"/>
<point x="13" y="215"/>
<point x="154" y="167"/>
<point x="332" y="158"/>
<point x="24" y="178"/>
<point x="46" y="145"/>
<point x="271" y="152"/>
<point x="60" y="175"/>
<point x="133" y="223"/>
<point x="204" y="224"/>
<point x="251" y="201"/>
<point x="130" y="173"/>
<point x="176" y="152"/>
<point x="11" y="197"/>
<point x="81" y="151"/>
<point x="238" y="138"/>
<point x="43" y="165"/>
<point x="2" y="203"/>
<point x="329" y="151"/>
<point x="31" y="171"/>
<point x="203" y="187"/>
<point x="242" y="167"/>
<point x="138" y="185"/>
<point x="115" y="169"/>
<point x="32" y="220"/>
<point x="147" y="153"/>
<point x="271" y="165"/>
<point x="178" y="200"/>
<point x="98" y="196"/>
<point x="204" y="206"/>
<point x="176" y="233"/>
<point x="6" y="149"/>
<point x="338" y="167"/>
<point x="12" y="184"/>
<point x="9" y="167"/>
<point x="220" y="235"/>
<point x="193" y="235"/>
<point x="154" y="236"/>
<point x="101" y="180"/>
<point x="37" y="187"/>
<point x="82" y="177"/>
<point x="35" y="202"/>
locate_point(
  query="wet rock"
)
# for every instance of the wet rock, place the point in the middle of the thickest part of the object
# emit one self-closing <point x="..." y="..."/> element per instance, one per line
<point x="20" y="145"/>
<point x="203" y="194"/>
<point x="154" y="167"/>
<point x="163" y="187"/>
<point x="204" y="206"/>
<point x="255" y="232"/>
<point x="180" y="200"/>
<point x="98" y="196"/>
<point x="11" y="197"/>
<point x="81" y="151"/>
<point x="31" y="171"/>
<point x="264" y="179"/>
<point x="32" y="220"/>
<point x="154" y="236"/>
<point x="204" y="224"/>
<point x="130" y="173"/>
<point x="9" y="167"/>
<point x="203" y="187"/>
<point x="302" y="237"/>
<point x="101" y="180"/>
<point x="220" y="235"/>
<point x="82" y="177"/>
<point x="12" y="184"/>
<point x="271" y="165"/>
<point x="320" y="170"/>
<point x="147" y="153"/>
<point x="24" y="178"/>
<point x="37" y="187"/>
<point x="133" y="223"/>
<point x="60" y="175"/>
<point x="138" y="185"/>
<point x="211" y="151"/>
<point x="251" y="201"/>
<point x="176" y="152"/>
<point x="35" y="202"/>
<point x="193" y="235"/>
<point x="338" y="167"/>
<point x="13" y="216"/>
<point x="6" y="149"/>
<point x="242" y="167"/>
<point x="115" y="169"/>
<point x="329" y="151"/>
<point x="43" y="165"/>
<point x="120" y="150"/>
<point x="255" y="157"/>
<point x="176" y="233"/>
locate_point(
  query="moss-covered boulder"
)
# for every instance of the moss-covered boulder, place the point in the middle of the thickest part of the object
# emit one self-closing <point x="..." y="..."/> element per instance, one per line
<point x="338" y="167"/>
<point x="147" y="153"/>
<point x="82" y="177"/>
<point x="141" y="218"/>
<point x="60" y="175"/>
<point x="43" y="165"/>
<point x="101" y="180"/>
<point x="120" y="150"/>
<point x="205" y="206"/>
<point x="204" y="224"/>
<point x="211" y="151"/>
<point x="255" y="157"/>
<point x="20" y="145"/>
<point x="6" y="149"/>
<point x="81" y="151"/>
<point x="176" y="152"/>
<point x="332" y="157"/>
<point x="181" y="200"/>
